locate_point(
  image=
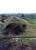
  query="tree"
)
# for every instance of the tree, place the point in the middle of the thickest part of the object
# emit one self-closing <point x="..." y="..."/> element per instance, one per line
<point x="3" y="17"/>
<point x="23" y="16"/>
<point x="32" y="16"/>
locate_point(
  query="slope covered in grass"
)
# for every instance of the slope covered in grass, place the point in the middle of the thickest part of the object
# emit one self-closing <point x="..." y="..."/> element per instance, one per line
<point x="31" y="26"/>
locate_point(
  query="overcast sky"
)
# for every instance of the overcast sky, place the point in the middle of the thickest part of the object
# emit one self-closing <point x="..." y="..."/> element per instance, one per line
<point x="17" y="6"/>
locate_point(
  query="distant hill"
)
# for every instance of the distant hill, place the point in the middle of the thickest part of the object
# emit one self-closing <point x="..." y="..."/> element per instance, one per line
<point x="32" y="15"/>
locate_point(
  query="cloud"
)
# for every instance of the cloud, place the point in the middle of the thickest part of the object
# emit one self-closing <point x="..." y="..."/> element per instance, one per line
<point x="17" y="6"/>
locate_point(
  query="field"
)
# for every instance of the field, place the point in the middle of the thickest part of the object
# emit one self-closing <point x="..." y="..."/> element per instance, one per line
<point x="33" y="27"/>
<point x="28" y="39"/>
<point x="30" y="32"/>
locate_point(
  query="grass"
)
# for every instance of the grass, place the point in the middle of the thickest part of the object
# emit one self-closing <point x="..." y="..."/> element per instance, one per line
<point x="33" y="26"/>
<point x="32" y="29"/>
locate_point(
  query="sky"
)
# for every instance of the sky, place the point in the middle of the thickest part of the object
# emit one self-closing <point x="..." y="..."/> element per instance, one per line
<point x="17" y="6"/>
